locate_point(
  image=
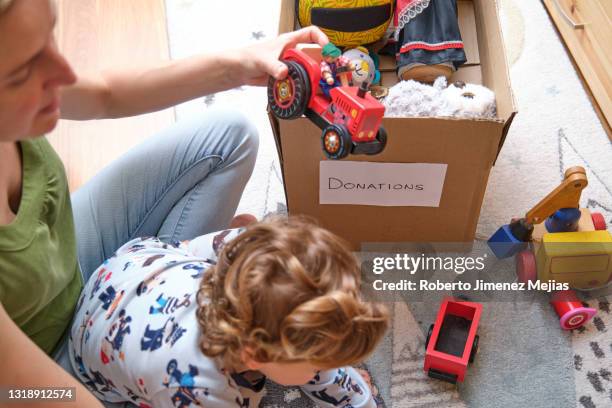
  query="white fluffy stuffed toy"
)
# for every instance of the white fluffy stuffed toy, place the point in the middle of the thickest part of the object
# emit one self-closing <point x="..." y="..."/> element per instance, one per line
<point x="411" y="98"/>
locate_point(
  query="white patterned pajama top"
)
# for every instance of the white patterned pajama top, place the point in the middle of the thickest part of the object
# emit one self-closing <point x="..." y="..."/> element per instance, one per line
<point x="135" y="335"/>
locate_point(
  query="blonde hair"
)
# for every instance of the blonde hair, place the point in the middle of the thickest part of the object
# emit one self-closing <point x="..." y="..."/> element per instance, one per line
<point x="4" y="5"/>
<point x="287" y="290"/>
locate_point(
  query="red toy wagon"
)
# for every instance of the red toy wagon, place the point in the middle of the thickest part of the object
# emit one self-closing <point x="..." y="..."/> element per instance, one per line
<point x="452" y="342"/>
<point x="351" y="121"/>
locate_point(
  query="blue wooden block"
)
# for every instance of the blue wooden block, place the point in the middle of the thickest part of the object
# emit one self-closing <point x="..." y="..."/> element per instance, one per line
<point x="504" y="244"/>
<point x="563" y="220"/>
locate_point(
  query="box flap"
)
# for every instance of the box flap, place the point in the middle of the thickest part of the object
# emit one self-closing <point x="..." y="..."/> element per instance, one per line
<point x="469" y="75"/>
<point x="276" y="133"/>
<point x="504" y="134"/>
<point x="467" y="26"/>
<point x="286" y="22"/>
<point x="495" y="73"/>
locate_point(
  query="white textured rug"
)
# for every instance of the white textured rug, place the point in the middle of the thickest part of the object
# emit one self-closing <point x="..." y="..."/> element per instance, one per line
<point x="556" y="128"/>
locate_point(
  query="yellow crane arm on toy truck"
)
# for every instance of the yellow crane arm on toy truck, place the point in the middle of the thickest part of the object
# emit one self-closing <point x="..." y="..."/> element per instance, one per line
<point x="566" y="195"/>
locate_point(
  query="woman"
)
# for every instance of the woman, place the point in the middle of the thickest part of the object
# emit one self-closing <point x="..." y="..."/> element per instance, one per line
<point x="184" y="182"/>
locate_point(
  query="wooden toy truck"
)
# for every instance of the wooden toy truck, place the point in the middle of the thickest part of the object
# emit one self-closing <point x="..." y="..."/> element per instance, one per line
<point x="562" y="243"/>
<point x="351" y="121"/>
<point x="582" y="259"/>
<point x="452" y="342"/>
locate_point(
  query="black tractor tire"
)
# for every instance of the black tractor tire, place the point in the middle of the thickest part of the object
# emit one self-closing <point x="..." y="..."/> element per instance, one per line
<point x="336" y="141"/>
<point x="288" y="98"/>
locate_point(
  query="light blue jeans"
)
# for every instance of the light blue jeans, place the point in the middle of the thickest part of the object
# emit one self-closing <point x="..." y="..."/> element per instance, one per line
<point x="184" y="182"/>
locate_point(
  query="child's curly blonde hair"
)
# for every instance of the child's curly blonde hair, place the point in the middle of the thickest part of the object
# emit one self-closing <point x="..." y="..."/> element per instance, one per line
<point x="287" y="290"/>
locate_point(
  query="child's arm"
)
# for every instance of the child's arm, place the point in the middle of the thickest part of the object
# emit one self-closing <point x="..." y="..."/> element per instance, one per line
<point x="341" y="387"/>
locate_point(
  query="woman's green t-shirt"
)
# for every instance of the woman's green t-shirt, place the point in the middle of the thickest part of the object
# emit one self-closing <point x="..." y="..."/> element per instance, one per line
<point x="40" y="280"/>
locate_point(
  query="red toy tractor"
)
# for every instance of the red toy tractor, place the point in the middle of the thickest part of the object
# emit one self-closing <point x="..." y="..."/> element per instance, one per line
<point x="351" y="121"/>
<point x="452" y="342"/>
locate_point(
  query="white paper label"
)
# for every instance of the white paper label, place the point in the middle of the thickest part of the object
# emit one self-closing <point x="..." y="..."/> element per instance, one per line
<point x="382" y="184"/>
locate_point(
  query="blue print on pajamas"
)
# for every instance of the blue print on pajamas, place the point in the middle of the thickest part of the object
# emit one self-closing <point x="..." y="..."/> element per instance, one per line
<point x="198" y="268"/>
<point x="345" y="382"/>
<point x="170" y="333"/>
<point x="83" y="373"/>
<point x="103" y="274"/>
<point x="170" y="304"/>
<point x="135" y="335"/>
<point x="117" y="333"/>
<point x="177" y="377"/>
<point x="107" y="297"/>
<point x="185" y="382"/>
<point x="102" y="383"/>
<point x="323" y="396"/>
<point x="185" y="396"/>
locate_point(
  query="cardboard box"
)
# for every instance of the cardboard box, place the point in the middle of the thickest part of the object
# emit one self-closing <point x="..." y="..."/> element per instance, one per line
<point x="467" y="148"/>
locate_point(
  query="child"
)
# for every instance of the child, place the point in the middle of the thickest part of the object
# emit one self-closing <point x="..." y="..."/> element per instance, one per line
<point x="204" y="323"/>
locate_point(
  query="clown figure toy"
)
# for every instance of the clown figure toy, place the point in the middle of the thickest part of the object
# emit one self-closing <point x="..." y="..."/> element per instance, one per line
<point x="334" y="68"/>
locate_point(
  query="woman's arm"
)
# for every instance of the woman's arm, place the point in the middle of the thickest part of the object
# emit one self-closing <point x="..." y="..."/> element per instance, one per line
<point x="24" y="365"/>
<point x="115" y="94"/>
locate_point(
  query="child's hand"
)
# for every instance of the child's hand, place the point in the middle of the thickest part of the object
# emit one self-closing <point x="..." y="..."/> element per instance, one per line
<point x="366" y="376"/>
<point x="368" y="379"/>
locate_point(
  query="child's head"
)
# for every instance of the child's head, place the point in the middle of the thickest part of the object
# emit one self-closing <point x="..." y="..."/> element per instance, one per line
<point x="283" y="299"/>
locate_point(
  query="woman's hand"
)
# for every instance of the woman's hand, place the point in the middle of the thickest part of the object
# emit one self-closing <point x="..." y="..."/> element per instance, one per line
<point x="261" y="60"/>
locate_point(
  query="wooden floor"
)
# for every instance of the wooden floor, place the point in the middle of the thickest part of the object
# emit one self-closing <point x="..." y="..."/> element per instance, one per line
<point x="99" y="34"/>
<point x="589" y="48"/>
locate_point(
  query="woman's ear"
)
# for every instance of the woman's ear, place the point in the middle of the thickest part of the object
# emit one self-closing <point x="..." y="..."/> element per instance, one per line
<point x="247" y="359"/>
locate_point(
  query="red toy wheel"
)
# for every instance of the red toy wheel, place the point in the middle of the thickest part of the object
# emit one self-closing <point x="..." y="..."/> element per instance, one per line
<point x="575" y="318"/>
<point x="526" y="269"/>
<point x="474" y="348"/>
<point x="599" y="221"/>
<point x="288" y="98"/>
<point x="571" y="311"/>
<point x="336" y="141"/>
<point x="429" y="333"/>
<point x="381" y="138"/>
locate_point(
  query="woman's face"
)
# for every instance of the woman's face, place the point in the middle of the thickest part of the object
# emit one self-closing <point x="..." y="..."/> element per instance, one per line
<point x="31" y="70"/>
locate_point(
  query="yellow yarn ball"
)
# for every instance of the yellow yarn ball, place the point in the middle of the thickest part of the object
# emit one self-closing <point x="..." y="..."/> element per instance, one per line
<point x="347" y="23"/>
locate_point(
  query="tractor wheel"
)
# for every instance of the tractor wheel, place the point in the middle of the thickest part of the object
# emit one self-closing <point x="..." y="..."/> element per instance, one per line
<point x="526" y="269"/>
<point x="381" y="137"/>
<point x="598" y="221"/>
<point x="474" y="349"/>
<point x="336" y="141"/>
<point x="429" y="333"/>
<point x="288" y="98"/>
